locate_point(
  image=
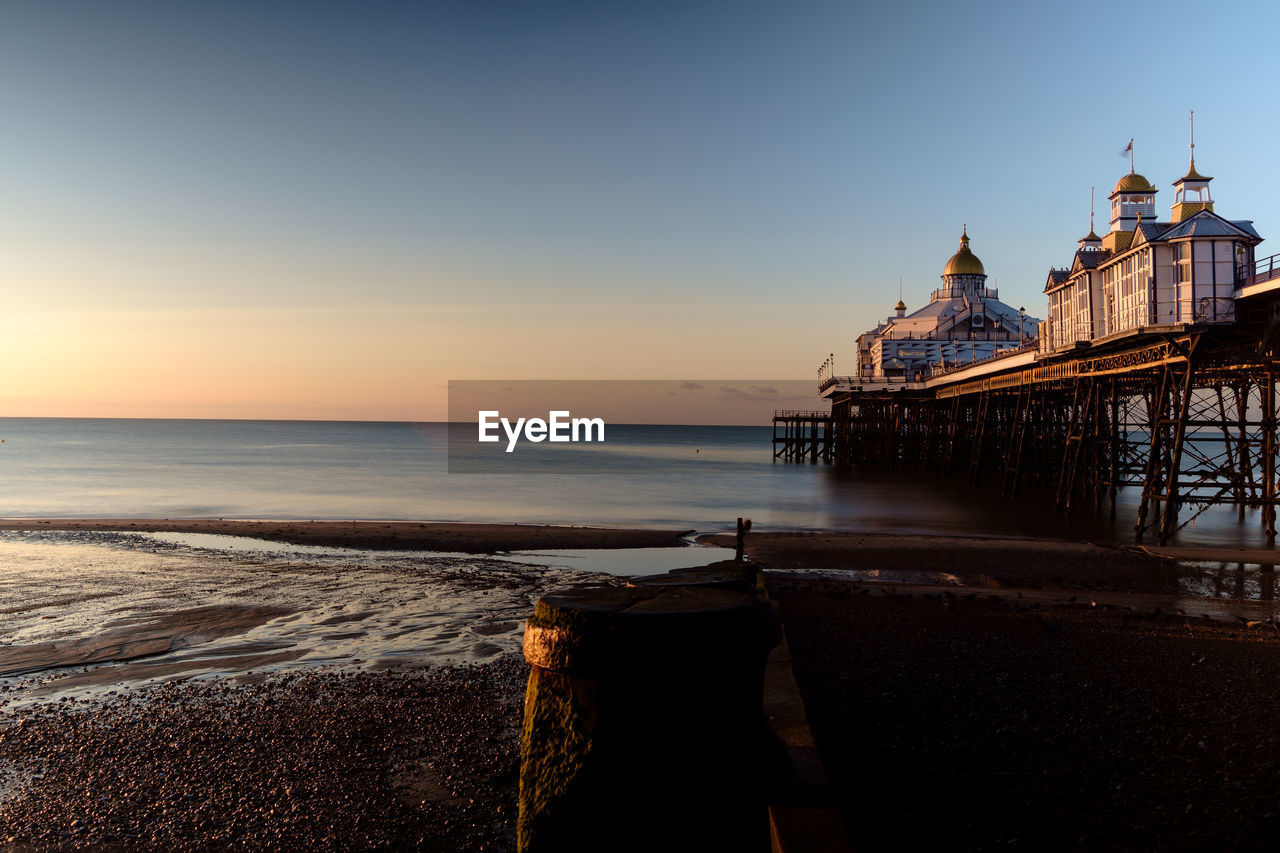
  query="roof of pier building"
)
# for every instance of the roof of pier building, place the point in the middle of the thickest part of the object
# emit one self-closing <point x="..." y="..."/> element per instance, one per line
<point x="1190" y="219"/>
<point x="1202" y="223"/>
<point x="1133" y="183"/>
<point x="949" y="312"/>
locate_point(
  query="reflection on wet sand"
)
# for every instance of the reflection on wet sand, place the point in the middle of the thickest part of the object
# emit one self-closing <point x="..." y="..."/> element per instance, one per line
<point x="87" y="612"/>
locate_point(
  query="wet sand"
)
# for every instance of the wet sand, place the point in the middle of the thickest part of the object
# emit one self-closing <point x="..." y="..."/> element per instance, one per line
<point x="85" y="612"/>
<point x="139" y="635"/>
<point x="388" y="535"/>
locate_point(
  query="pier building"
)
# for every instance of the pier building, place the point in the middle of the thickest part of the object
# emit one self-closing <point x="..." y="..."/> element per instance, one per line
<point x="1156" y="369"/>
<point x="1146" y="273"/>
<point x="963" y="322"/>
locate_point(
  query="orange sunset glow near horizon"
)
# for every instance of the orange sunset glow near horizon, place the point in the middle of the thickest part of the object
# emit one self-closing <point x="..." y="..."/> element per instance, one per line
<point x="277" y="211"/>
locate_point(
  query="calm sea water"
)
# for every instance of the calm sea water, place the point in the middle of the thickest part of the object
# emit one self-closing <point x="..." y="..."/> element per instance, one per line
<point x="690" y="477"/>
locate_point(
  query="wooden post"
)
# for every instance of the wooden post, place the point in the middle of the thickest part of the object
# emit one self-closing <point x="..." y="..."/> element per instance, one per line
<point x="647" y="700"/>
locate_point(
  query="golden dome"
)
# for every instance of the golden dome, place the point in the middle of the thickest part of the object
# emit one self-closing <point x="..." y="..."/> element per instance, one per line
<point x="1133" y="183"/>
<point x="964" y="262"/>
<point x="901" y="306"/>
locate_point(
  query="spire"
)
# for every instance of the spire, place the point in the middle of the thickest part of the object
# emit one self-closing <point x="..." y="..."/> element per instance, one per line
<point x="1191" y="192"/>
<point x="1193" y="140"/>
<point x="1192" y="174"/>
<point x="1091" y="240"/>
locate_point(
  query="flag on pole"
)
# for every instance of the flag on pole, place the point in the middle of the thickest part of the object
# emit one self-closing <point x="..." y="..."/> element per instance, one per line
<point x="1128" y="148"/>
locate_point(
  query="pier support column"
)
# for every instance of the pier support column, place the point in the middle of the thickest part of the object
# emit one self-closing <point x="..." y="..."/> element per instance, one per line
<point x="1269" y="455"/>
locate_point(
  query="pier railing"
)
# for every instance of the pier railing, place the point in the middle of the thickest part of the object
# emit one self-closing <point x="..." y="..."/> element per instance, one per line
<point x="1259" y="271"/>
<point x="800" y="414"/>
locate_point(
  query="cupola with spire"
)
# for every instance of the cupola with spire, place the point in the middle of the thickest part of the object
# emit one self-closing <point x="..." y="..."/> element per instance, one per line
<point x="964" y="272"/>
<point x="1191" y="191"/>
<point x="1091" y="242"/>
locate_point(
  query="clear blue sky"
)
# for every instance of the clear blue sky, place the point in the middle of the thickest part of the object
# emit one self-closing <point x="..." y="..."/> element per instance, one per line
<point x="328" y="210"/>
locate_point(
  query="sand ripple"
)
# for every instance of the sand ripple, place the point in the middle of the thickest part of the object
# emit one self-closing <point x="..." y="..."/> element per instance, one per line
<point x="82" y="612"/>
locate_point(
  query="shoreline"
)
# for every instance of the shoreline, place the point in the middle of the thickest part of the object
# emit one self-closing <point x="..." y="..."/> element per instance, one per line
<point x="790" y="546"/>
<point x="447" y="536"/>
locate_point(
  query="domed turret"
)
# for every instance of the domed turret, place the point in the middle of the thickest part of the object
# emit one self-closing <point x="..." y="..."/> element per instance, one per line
<point x="963" y="272"/>
<point x="1134" y="183"/>
<point x="1133" y="197"/>
<point x="964" y="262"/>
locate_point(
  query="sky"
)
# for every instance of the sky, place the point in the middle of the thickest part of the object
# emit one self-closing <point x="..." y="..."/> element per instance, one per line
<point x="330" y="210"/>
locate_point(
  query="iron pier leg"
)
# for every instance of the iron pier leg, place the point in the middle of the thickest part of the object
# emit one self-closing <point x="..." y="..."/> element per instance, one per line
<point x="1269" y="455"/>
<point x="1156" y="410"/>
<point x="1169" y="517"/>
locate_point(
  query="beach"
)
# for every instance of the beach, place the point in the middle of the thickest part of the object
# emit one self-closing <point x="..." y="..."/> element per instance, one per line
<point x="1014" y="692"/>
<point x="422" y="758"/>
<point x="360" y="685"/>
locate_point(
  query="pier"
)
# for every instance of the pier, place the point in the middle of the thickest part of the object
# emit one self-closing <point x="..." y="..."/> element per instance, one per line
<point x="799" y="435"/>
<point x="1184" y="412"/>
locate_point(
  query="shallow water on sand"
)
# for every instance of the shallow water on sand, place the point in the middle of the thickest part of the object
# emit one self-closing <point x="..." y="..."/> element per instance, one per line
<point x="83" y="613"/>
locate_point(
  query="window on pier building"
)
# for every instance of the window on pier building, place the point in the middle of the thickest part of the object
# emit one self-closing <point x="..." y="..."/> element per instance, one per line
<point x="1130" y="282"/>
<point x="1182" y="263"/>
<point x="1244" y="256"/>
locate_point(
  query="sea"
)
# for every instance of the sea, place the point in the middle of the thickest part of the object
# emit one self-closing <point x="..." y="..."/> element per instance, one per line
<point x="689" y="477"/>
<point x="86" y="614"/>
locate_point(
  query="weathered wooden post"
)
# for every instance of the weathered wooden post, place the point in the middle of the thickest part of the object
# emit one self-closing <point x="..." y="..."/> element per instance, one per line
<point x="643" y="727"/>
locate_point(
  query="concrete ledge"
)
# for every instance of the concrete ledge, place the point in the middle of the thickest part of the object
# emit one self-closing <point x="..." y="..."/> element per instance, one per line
<point x="797" y="829"/>
<point x="802" y="816"/>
